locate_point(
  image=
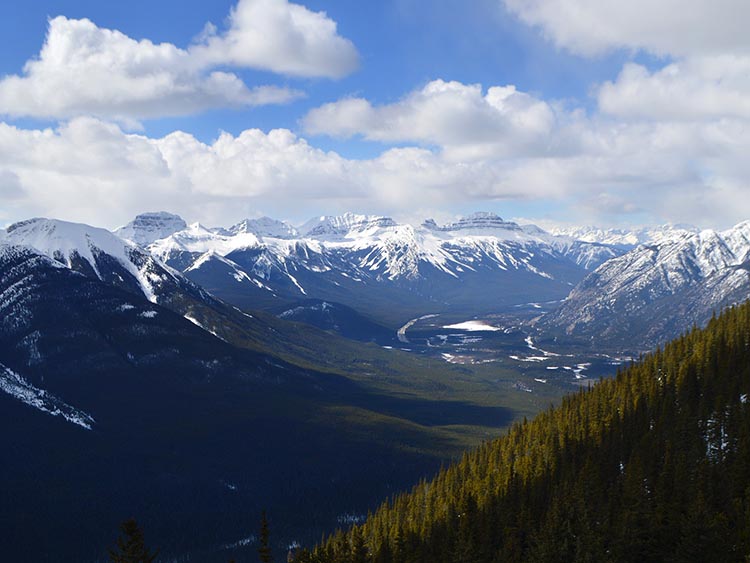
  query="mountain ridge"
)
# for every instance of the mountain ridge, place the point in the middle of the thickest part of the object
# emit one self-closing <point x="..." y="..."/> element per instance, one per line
<point x="366" y="261"/>
<point x="646" y="296"/>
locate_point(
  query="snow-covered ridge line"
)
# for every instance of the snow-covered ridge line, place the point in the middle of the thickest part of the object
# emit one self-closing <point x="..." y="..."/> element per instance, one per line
<point x="627" y="238"/>
<point x="91" y="250"/>
<point x="661" y="288"/>
<point x="16" y="386"/>
<point x="366" y="246"/>
<point x="362" y="248"/>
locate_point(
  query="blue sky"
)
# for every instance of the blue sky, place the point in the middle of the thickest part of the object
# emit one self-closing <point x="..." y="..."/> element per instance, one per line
<point x="616" y="116"/>
<point x="403" y="44"/>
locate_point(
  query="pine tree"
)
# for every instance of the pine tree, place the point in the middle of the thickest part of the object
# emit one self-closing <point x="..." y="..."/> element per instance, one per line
<point x="131" y="547"/>
<point x="264" y="550"/>
<point x="359" y="547"/>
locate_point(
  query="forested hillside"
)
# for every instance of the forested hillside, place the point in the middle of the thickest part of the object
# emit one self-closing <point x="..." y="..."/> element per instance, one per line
<point x="653" y="465"/>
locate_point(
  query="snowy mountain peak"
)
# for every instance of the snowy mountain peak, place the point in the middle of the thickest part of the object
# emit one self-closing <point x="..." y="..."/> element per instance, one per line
<point x="479" y="221"/>
<point x="63" y="241"/>
<point x="738" y="240"/>
<point x="198" y="239"/>
<point x="92" y="251"/>
<point x="341" y="225"/>
<point x="534" y="230"/>
<point x="149" y="227"/>
<point x="483" y="216"/>
<point x="265" y="227"/>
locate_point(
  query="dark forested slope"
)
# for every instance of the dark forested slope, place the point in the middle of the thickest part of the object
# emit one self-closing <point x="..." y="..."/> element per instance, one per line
<point x="653" y="465"/>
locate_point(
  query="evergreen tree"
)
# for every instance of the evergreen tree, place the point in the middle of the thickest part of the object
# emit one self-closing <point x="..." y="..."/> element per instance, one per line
<point x="359" y="547"/>
<point x="131" y="547"/>
<point x="264" y="549"/>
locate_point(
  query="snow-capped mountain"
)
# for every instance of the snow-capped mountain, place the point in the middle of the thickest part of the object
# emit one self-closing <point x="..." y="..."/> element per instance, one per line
<point x="59" y="328"/>
<point x="655" y="292"/>
<point x="396" y="251"/>
<point x="481" y="261"/>
<point x="100" y="255"/>
<point x="624" y="238"/>
<point x="479" y="222"/>
<point x="264" y="227"/>
<point x="94" y="252"/>
<point x="343" y="225"/>
<point x="148" y="227"/>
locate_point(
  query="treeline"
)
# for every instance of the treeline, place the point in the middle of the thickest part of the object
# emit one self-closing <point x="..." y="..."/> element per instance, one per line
<point x="650" y="466"/>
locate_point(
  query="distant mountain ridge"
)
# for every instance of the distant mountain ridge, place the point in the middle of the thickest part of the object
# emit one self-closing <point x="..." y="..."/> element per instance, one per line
<point x="149" y="227"/>
<point x="366" y="261"/>
<point x="627" y="238"/>
<point x="390" y="272"/>
<point x="655" y="291"/>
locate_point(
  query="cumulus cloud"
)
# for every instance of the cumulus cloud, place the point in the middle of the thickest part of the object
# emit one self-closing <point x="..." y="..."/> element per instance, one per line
<point x="281" y="37"/>
<point x="708" y="87"/>
<point x="459" y="117"/>
<point x="708" y="76"/>
<point x="10" y="186"/>
<point x="666" y="27"/>
<point x="90" y="170"/>
<point x="83" y="69"/>
<point x="534" y="150"/>
<point x="255" y="164"/>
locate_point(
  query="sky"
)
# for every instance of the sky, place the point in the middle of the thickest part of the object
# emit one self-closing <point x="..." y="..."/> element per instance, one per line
<point x="597" y="112"/>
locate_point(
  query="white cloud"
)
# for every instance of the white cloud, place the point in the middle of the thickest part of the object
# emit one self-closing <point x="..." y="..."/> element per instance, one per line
<point x="532" y="150"/>
<point x="84" y="70"/>
<point x="255" y="164"/>
<point x="282" y="37"/>
<point x="664" y="27"/>
<point x="10" y="186"/>
<point x="460" y="118"/>
<point x="89" y="170"/>
<point x="708" y="73"/>
<point x="710" y="87"/>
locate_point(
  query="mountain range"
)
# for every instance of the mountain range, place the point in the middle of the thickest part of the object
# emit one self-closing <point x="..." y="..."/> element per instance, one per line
<point x="386" y="270"/>
<point x="127" y="389"/>
<point x="172" y="346"/>
<point x="619" y="289"/>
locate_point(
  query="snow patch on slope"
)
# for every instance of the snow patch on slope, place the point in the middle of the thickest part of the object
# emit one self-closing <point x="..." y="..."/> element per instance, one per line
<point x="16" y="386"/>
<point x="265" y="227"/>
